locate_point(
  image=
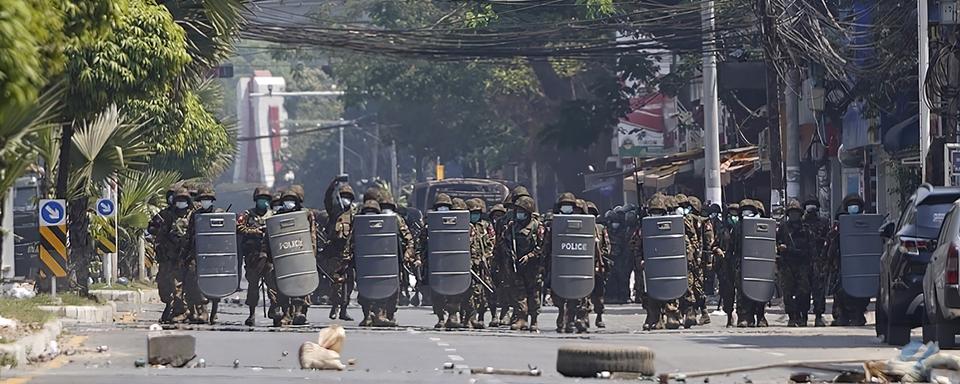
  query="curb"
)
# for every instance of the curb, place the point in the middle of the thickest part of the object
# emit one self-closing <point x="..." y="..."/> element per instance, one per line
<point x="127" y="301"/>
<point x="85" y="313"/>
<point x="30" y="347"/>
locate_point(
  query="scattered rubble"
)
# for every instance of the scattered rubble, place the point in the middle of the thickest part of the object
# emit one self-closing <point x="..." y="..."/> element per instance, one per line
<point x="326" y="353"/>
<point x="170" y="348"/>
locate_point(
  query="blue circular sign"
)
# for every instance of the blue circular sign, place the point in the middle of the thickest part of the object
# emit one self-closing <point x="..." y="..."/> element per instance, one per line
<point x="105" y="207"/>
<point x="52" y="212"/>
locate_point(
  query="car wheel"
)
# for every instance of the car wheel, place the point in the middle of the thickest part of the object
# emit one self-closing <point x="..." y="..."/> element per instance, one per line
<point x="881" y="324"/>
<point x="587" y="360"/>
<point x="897" y="335"/>
<point x="945" y="336"/>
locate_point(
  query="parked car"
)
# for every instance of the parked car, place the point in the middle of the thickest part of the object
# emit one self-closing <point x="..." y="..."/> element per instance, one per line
<point x="910" y="242"/>
<point x="941" y="284"/>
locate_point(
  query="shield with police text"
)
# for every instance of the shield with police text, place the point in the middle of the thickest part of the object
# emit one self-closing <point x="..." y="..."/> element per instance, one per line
<point x="758" y="264"/>
<point x="293" y="251"/>
<point x="860" y="249"/>
<point x="448" y="256"/>
<point x="572" y="253"/>
<point x="376" y="250"/>
<point x="216" y="245"/>
<point x="664" y="257"/>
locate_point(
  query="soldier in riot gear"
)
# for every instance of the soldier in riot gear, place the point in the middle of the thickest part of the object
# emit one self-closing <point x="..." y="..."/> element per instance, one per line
<point x="795" y="246"/>
<point x="370" y="310"/>
<point x="603" y="264"/>
<point x="848" y="310"/>
<point x="660" y="313"/>
<point x="520" y="256"/>
<point x="407" y="255"/>
<point x="169" y="229"/>
<point x="196" y="302"/>
<point x="750" y="313"/>
<point x="821" y="270"/>
<point x="338" y="201"/>
<point x="618" y="285"/>
<point x="567" y="204"/>
<point x="727" y="253"/>
<point x="704" y="255"/>
<point x="446" y="308"/>
<point x="295" y="308"/>
<point x="251" y="228"/>
<point x="501" y="301"/>
<point x="482" y="240"/>
<point x="688" y="303"/>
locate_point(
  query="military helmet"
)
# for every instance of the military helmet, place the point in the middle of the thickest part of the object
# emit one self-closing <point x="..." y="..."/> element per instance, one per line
<point x="181" y="194"/>
<point x="592" y="209"/>
<point x="566" y="197"/>
<point x="748" y="203"/>
<point x="206" y="191"/>
<point x="498" y="208"/>
<point x="298" y="190"/>
<point x="386" y="201"/>
<point x="262" y="191"/>
<point x="346" y="190"/>
<point x="277" y="196"/>
<point x="291" y="194"/>
<point x="657" y="202"/>
<point x="695" y="203"/>
<point x="733" y="206"/>
<point x="372" y="193"/>
<point x="442" y="199"/>
<point x="458" y="204"/>
<point x="526" y="203"/>
<point x="582" y="205"/>
<point x="681" y="199"/>
<point x="518" y="192"/>
<point x="476" y="205"/>
<point x="671" y="202"/>
<point x="794" y="204"/>
<point x="370" y="205"/>
<point x="812" y="200"/>
<point x="631" y="217"/>
<point x="852" y="198"/>
<point x="759" y="205"/>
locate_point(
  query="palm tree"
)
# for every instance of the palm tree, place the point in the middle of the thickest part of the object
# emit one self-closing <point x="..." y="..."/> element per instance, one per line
<point x="18" y="126"/>
<point x="101" y="149"/>
<point x="212" y="27"/>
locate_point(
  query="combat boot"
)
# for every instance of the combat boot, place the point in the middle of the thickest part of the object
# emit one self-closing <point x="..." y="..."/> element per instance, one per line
<point x="803" y="319"/>
<point x="600" y="323"/>
<point x="672" y="323"/>
<point x="730" y="322"/>
<point x="441" y="320"/>
<point x="299" y="319"/>
<point x="415" y="299"/>
<point x="762" y="321"/>
<point x="818" y="321"/>
<point x="533" y="324"/>
<point x="689" y="320"/>
<point x="519" y="324"/>
<point x="367" y="318"/>
<point x="659" y="325"/>
<point x="704" y="317"/>
<point x="333" y="312"/>
<point x="743" y="324"/>
<point x="380" y="321"/>
<point x="859" y="321"/>
<point x="344" y="315"/>
<point x="452" y="322"/>
<point x="505" y="318"/>
<point x="165" y="316"/>
<point x="792" y="322"/>
<point x="581" y="326"/>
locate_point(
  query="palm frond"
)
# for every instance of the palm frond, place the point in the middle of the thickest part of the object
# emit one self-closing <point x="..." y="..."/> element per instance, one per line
<point x="15" y="123"/>
<point x="211" y="26"/>
<point x="104" y="147"/>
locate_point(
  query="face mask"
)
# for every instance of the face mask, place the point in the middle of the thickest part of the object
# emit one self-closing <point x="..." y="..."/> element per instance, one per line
<point x="277" y="208"/>
<point x="263" y="204"/>
<point x="474" y="217"/>
<point x="369" y="212"/>
<point x="615" y="225"/>
<point x="206" y="204"/>
<point x="443" y="209"/>
<point x="289" y="204"/>
<point x="680" y="211"/>
<point x="387" y="211"/>
<point x="734" y="219"/>
<point x="345" y="202"/>
<point x="794" y="216"/>
<point x="713" y="215"/>
<point x="811" y="208"/>
<point x="566" y="209"/>
<point x="749" y="214"/>
<point x="521" y="216"/>
<point x="182" y="205"/>
<point x="853" y="209"/>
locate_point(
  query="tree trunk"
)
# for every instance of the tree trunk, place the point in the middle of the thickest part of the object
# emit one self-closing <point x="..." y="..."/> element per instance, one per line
<point x="81" y="245"/>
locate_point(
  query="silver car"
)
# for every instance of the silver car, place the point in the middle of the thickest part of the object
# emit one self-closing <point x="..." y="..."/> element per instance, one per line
<point x="941" y="284"/>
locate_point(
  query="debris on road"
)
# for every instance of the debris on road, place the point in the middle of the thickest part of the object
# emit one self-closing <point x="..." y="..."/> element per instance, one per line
<point x="915" y="364"/>
<point x="530" y="371"/>
<point x="18" y="290"/>
<point x="103" y="348"/>
<point x="140" y="363"/>
<point x="170" y="348"/>
<point x="155" y="327"/>
<point x="589" y="360"/>
<point x="326" y="353"/>
<point x="236" y="363"/>
<point x="6" y="323"/>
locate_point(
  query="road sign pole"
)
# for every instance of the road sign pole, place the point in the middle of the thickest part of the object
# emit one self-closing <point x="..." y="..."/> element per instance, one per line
<point x="53" y="286"/>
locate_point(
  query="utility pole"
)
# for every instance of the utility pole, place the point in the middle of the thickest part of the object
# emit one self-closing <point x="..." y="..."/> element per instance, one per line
<point x="922" y="62"/>
<point x="791" y="95"/>
<point x="394" y="177"/>
<point x="376" y="151"/>
<point x="711" y="106"/>
<point x="773" y="105"/>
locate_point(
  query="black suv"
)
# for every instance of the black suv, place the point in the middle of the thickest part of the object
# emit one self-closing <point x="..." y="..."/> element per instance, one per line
<point x="909" y="243"/>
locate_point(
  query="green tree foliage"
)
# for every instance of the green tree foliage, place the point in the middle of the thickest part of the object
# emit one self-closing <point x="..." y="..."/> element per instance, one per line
<point x="29" y="34"/>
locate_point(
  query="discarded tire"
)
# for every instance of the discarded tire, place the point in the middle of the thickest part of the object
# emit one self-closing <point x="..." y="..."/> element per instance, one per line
<point x="587" y="360"/>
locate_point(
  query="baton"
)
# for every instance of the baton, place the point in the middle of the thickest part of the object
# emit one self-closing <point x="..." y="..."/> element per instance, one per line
<point x="263" y="294"/>
<point x="484" y="283"/>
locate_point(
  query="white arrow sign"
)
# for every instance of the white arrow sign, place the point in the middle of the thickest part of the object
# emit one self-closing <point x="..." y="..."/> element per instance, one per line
<point x="52" y="212"/>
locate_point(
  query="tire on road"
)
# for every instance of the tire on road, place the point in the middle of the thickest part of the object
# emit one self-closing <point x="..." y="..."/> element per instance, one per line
<point x="587" y="360"/>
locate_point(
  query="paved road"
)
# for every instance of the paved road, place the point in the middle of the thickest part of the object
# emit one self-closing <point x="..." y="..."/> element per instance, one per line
<point x="417" y="353"/>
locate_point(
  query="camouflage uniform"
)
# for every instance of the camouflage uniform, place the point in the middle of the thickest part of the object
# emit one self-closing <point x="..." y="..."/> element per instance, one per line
<point x="500" y="297"/>
<point x="519" y="255"/>
<point x="795" y="247"/>
<point x="338" y="231"/>
<point x="750" y="313"/>
<point x="725" y="253"/>
<point x="602" y="267"/>
<point x="474" y="303"/>
<point x="688" y="303"/>
<point x="407" y="256"/>
<point x="822" y="270"/>
<point x="294" y="309"/>
<point x="567" y="310"/>
<point x="251" y="230"/>
<point x="446" y="308"/>
<point x="660" y="314"/>
<point x="196" y="301"/>
<point x="618" y="285"/>
<point x="169" y="228"/>
<point x="847" y="310"/>
<point x="703" y="255"/>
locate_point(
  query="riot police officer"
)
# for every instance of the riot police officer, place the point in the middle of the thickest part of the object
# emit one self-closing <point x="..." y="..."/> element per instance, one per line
<point x="751" y="313"/>
<point x="795" y="246"/>
<point x="251" y="228"/>
<point x="519" y="255"/>
<point x="446" y="308"/>
<point x="847" y="309"/>
<point x="567" y="204"/>
<point x="196" y="301"/>
<point x="602" y="266"/>
<point x="295" y="308"/>
<point x="726" y="254"/>
<point x="169" y="229"/>
<point x="406" y="255"/>
<point x="821" y="271"/>
<point x="339" y="202"/>
<point x="660" y="313"/>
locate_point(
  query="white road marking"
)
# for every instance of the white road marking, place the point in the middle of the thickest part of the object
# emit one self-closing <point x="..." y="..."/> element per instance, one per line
<point x="434" y="339"/>
<point x="443" y="344"/>
<point x="450" y="350"/>
<point x="778" y="354"/>
<point x="455" y="357"/>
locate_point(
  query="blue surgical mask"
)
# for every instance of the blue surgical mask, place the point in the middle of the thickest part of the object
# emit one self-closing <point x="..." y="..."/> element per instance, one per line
<point x="566" y="209"/>
<point x="345" y="201"/>
<point x="734" y="219"/>
<point x="474" y="217"/>
<point x="288" y="205"/>
<point x="443" y="208"/>
<point x="614" y="225"/>
<point x="853" y="209"/>
<point x="263" y="204"/>
<point x="387" y="211"/>
<point x="206" y="204"/>
<point x="521" y="216"/>
<point x="748" y="213"/>
<point x="182" y="205"/>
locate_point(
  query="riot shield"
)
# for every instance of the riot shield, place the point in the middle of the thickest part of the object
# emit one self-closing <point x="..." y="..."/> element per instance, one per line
<point x="758" y="263"/>
<point x="292" y="248"/>
<point x="665" y="257"/>
<point x="216" y="245"/>
<point x="860" y="251"/>
<point x="376" y="247"/>
<point x="448" y="245"/>
<point x="574" y="246"/>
